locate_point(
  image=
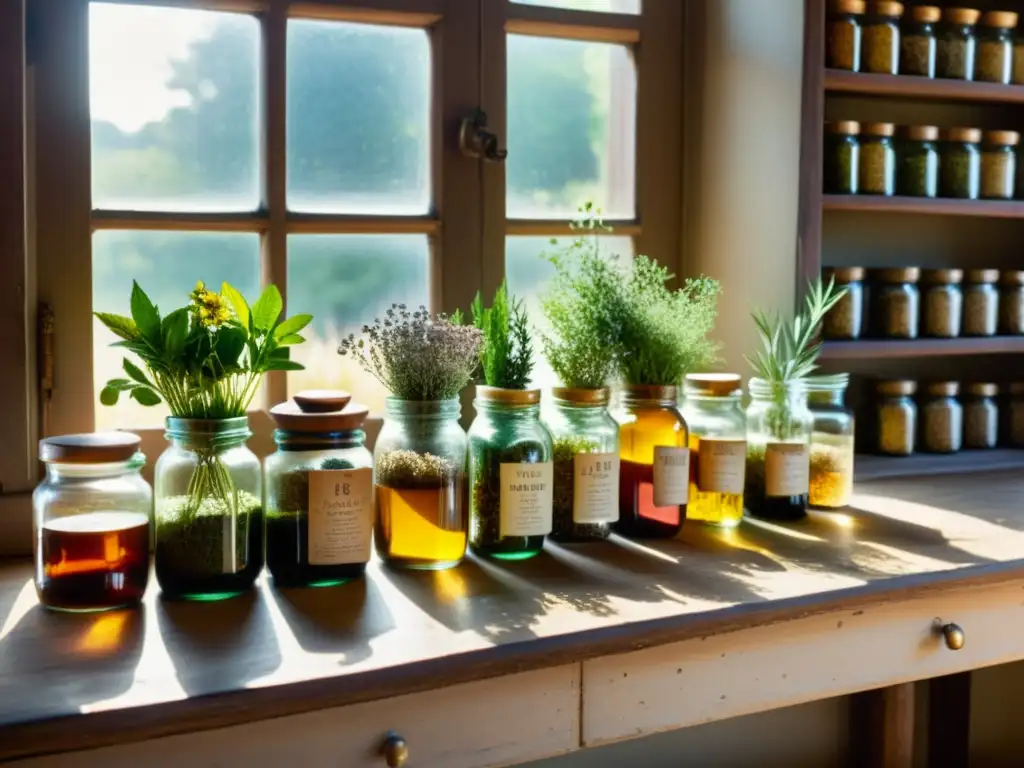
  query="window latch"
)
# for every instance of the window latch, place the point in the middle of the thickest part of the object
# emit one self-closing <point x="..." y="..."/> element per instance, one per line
<point x="477" y="142"/>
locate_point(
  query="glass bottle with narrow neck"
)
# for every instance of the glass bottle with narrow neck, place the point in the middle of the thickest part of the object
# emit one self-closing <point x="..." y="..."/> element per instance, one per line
<point x="654" y="467"/>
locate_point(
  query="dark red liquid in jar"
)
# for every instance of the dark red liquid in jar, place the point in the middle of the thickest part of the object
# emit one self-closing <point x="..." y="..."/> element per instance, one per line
<point x="93" y="561"/>
<point x="637" y="514"/>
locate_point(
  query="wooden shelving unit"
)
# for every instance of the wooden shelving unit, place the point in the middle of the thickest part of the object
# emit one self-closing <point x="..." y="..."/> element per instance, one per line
<point x="938" y="206"/>
<point x="881" y="349"/>
<point x="907" y="87"/>
<point x="867" y="467"/>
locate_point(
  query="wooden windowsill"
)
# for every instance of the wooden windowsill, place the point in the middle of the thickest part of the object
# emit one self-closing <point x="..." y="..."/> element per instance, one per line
<point x="77" y="681"/>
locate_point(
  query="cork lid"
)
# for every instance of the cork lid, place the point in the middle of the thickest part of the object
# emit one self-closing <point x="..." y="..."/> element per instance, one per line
<point x="920" y="132"/>
<point x="89" y="448"/>
<point x="968" y="16"/>
<point x="844" y="274"/>
<point x="507" y="396"/>
<point x="898" y="275"/>
<point x="319" y="410"/>
<point x="982" y="389"/>
<point x="982" y="275"/>
<point x="582" y="395"/>
<point x="942" y="276"/>
<point x="896" y="387"/>
<point x="968" y="135"/>
<point x="1012" y="278"/>
<point x="927" y="14"/>
<point x="878" y="129"/>
<point x="943" y="388"/>
<point x="712" y="384"/>
<point x="1002" y="138"/>
<point x="848" y="6"/>
<point x="887" y="8"/>
<point x="843" y="127"/>
<point x="1000" y="19"/>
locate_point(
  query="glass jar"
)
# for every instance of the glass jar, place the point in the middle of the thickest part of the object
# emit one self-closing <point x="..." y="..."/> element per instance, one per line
<point x="1016" y="420"/>
<point x="882" y="38"/>
<point x="994" y="60"/>
<point x="318" y="491"/>
<point x="419" y="476"/>
<point x="1011" y="302"/>
<point x="510" y="474"/>
<point x="960" y="164"/>
<point x="842" y="153"/>
<point x="981" y="303"/>
<point x="999" y="164"/>
<point x="942" y="418"/>
<point x="955" y="43"/>
<point x="718" y="447"/>
<point x="845" y="321"/>
<point x="981" y="416"/>
<point x="918" y="172"/>
<point x="831" y="456"/>
<point x="91" y="522"/>
<point x="654" y="471"/>
<point x="942" y="302"/>
<point x="877" y="174"/>
<point x="586" y="459"/>
<point x="896" y="428"/>
<point x="843" y="35"/>
<point x="778" y="444"/>
<point x="1018" y="61"/>
<point x="917" y="41"/>
<point x="895" y="300"/>
<point x="209" y="510"/>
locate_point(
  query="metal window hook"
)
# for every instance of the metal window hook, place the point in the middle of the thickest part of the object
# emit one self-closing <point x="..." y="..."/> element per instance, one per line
<point x="477" y="142"/>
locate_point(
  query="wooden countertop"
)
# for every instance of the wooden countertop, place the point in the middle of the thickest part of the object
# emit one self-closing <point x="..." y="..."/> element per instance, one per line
<point x="75" y="681"/>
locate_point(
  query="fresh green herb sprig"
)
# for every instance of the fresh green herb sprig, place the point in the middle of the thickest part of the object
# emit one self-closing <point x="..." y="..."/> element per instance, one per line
<point x="506" y="357"/>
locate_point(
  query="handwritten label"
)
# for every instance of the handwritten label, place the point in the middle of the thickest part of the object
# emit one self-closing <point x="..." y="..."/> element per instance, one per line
<point x="721" y="465"/>
<point x="787" y="469"/>
<point x="671" y="476"/>
<point x="595" y="488"/>
<point x="340" y="516"/>
<point x="526" y="496"/>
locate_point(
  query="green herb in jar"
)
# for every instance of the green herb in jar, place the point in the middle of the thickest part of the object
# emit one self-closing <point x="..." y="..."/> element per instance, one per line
<point x="842" y="157"/>
<point x="917" y="42"/>
<point x="955" y="43"/>
<point x="917" y="174"/>
<point x="877" y="159"/>
<point x="960" y="165"/>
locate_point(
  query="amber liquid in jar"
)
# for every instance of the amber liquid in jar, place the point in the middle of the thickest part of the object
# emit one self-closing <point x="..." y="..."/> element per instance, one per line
<point x="638" y="514"/>
<point x="422" y="527"/>
<point x="94" y="560"/>
<point x="716" y="508"/>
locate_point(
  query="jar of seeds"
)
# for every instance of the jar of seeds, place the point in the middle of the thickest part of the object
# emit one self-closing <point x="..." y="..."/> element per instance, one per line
<point x="994" y="60"/>
<point x="943" y="302"/>
<point x="917" y="174"/>
<point x="897" y="417"/>
<point x="942" y="418"/>
<point x="845" y="321"/>
<point x="895" y="303"/>
<point x="917" y="41"/>
<point x="877" y="159"/>
<point x="955" y="42"/>
<point x="842" y="154"/>
<point x="1018" y="61"/>
<point x="1016" y="421"/>
<point x="960" y="168"/>
<point x="1011" y="303"/>
<point x="981" y="302"/>
<point x="999" y="164"/>
<point x="842" y="35"/>
<point x="882" y="38"/>
<point x="981" y="416"/>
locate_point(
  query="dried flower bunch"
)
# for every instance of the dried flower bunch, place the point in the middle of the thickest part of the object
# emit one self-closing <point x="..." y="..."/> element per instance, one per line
<point x="416" y="356"/>
<point x="506" y="358"/>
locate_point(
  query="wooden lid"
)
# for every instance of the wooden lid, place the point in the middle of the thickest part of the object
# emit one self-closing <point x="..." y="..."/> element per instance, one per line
<point x="319" y="410"/>
<point x="899" y="275"/>
<point x="887" y="8"/>
<point x="927" y="14"/>
<point x="713" y="384"/>
<point x="968" y="135"/>
<point x="507" y="396"/>
<point x="896" y="387"/>
<point x="982" y="389"/>
<point x="943" y="388"/>
<point x="982" y="275"/>
<point x="942" y="276"/>
<point x="848" y="6"/>
<point x="1006" y="138"/>
<point x="1012" y="278"/>
<point x="961" y="15"/>
<point x="89" y="448"/>
<point x="650" y="392"/>
<point x="920" y="132"/>
<point x="878" y="129"/>
<point x="582" y="395"/>
<point x="844" y="274"/>
<point x="843" y="127"/>
<point x="1000" y="19"/>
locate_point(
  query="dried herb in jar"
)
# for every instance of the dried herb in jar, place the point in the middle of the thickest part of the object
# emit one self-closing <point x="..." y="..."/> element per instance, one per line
<point x="994" y="60"/>
<point x="917" y="43"/>
<point x="845" y="320"/>
<point x="960" y="165"/>
<point x="942" y="418"/>
<point x="955" y="43"/>
<point x="999" y="164"/>
<point x="918" y="171"/>
<point x="981" y="303"/>
<point x="842" y="155"/>
<point x="943" y="303"/>
<point x="1017" y="414"/>
<point x="882" y="38"/>
<point x="1011" y="303"/>
<point x="895" y="303"/>
<point x="897" y="417"/>
<point x="843" y="35"/>
<point x="877" y="159"/>
<point x="981" y="416"/>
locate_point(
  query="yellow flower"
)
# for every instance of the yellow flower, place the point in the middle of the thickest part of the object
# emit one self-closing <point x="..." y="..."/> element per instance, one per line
<point x="209" y="306"/>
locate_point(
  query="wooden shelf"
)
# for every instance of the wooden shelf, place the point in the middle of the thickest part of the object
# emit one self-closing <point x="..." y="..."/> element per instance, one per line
<point x="886" y="348"/>
<point x="937" y="206"/>
<point x="868" y="467"/>
<point x="909" y="87"/>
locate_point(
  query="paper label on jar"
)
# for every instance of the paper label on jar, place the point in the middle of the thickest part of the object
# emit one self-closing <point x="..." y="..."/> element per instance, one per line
<point x="527" y="493"/>
<point x="340" y="516"/>
<point x="721" y="465"/>
<point x="671" y="476"/>
<point x="595" y="488"/>
<point x="787" y="469"/>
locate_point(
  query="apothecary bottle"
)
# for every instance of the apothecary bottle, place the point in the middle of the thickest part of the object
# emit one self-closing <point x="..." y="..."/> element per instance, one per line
<point x="955" y="44"/>
<point x="917" y="174"/>
<point x="981" y="302"/>
<point x="842" y="157"/>
<point x="318" y="491"/>
<point x="882" y="37"/>
<point x="845" y="321"/>
<point x="586" y="464"/>
<point x="960" y="164"/>
<point x="718" y="447"/>
<point x="419" y="475"/>
<point x="981" y="416"/>
<point x="209" y="510"/>
<point x="1018" y="61"/>
<point x="942" y="418"/>
<point x="778" y="450"/>
<point x="1016" y="419"/>
<point x="896" y="424"/>
<point x="942" y="303"/>
<point x="831" y="456"/>
<point x="91" y="522"/>
<point x="843" y="34"/>
<point x="654" y="467"/>
<point x="917" y="41"/>
<point x="511" y="488"/>
<point x="994" y="60"/>
<point x="999" y="164"/>
<point x="895" y="301"/>
<point x="1011" y="302"/>
<point x="877" y="174"/>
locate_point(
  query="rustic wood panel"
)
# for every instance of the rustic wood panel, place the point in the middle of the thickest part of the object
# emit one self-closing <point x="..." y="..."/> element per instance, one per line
<point x="882" y="727"/>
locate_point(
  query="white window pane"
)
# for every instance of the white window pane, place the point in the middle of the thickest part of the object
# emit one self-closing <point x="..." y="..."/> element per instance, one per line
<point x="174" y="108"/>
<point x="345" y="281"/>
<point x="571" y="127"/>
<point x="358" y="118"/>
<point x="166" y="265"/>
<point x="603" y="6"/>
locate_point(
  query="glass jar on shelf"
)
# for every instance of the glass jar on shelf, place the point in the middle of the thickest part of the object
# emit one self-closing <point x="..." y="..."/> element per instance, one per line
<point x="981" y="302"/>
<point x="942" y="418"/>
<point x="896" y="426"/>
<point x="1017" y="76"/>
<point x="1016" y="415"/>
<point x="718" y="447"/>
<point x="960" y="164"/>
<point x="654" y="468"/>
<point x="845" y="321"/>
<point x="917" y="42"/>
<point x="842" y="157"/>
<point x="843" y="35"/>
<point x="1011" y="302"/>
<point x="832" y="450"/>
<point x="895" y="301"/>
<point x="981" y="416"/>
<point x="91" y="522"/>
<point x="942" y="302"/>
<point x="918" y="154"/>
<point x="881" y="37"/>
<point x="999" y="164"/>
<point x="318" y="491"/>
<point x="994" y="60"/>
<point x="877" y="166"/>
<point x="955" y="44"/>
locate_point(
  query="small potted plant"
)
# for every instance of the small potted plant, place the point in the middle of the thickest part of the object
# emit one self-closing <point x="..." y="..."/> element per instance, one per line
<point x="206" y="361"/>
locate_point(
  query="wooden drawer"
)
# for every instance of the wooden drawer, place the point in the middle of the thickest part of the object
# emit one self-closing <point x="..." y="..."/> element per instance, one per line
<point x="496" y="722"/>
<point x="752" y="670"/>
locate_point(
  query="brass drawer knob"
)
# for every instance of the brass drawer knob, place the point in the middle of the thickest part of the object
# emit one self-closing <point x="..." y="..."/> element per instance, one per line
<point x="395" y="751"/>
<point x="954" y="636"/>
